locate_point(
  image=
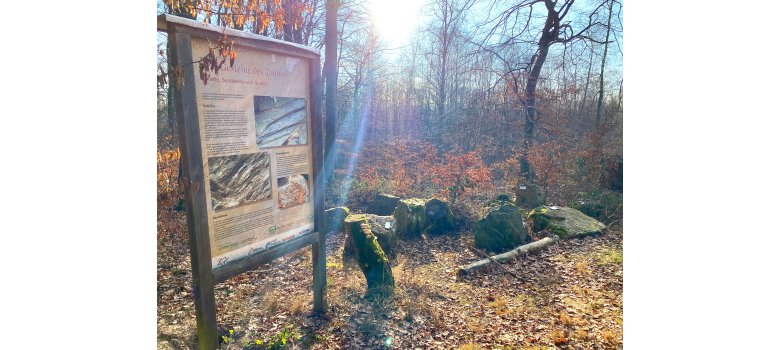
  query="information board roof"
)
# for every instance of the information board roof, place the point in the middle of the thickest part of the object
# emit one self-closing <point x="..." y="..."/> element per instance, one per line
<point x="164" y="19"/>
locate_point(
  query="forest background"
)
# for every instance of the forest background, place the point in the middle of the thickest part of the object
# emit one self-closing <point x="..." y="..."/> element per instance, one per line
<point x="700" y="138"/>
<point x="473" y="102"/>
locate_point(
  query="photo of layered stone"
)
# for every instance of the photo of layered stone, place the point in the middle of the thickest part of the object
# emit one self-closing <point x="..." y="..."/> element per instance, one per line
<point x="280" y="121"/>
<point x="239" y="179"/>
<point x="293" y="190"/>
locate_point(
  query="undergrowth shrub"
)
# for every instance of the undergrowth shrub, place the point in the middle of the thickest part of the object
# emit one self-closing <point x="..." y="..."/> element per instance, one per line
<point x="600" y="204"/>
<point x="168" y="190"/>
<point x="411" y="168"/>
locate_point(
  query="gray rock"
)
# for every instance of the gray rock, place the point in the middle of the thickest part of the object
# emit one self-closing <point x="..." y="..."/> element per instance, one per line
<point x="438" y="217"/>
<point x="383" y="204"/>
<point x="238" y="179"/>
<point x="334" y="219"/>
<point x="564" y="222"/>
<point x="410" y="216"/>
<point x="280" y="121"/>
<point x="501" y="228"/>
<point x="529" y="196"/>
<point x="371" y="257"/>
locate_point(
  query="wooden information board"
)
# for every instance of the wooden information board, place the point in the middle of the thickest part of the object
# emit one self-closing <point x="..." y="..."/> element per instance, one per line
<point x="252" y="156"/>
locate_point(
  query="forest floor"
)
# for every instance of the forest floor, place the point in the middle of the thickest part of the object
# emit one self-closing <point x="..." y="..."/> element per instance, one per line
<point x="569" y="296"/>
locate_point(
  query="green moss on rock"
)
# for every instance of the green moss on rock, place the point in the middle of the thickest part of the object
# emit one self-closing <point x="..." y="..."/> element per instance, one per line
<point x="563" y="222"/>
<point x="383" y="227"/>
<point x="501" y="228"/>
<point x="410" y="217"/>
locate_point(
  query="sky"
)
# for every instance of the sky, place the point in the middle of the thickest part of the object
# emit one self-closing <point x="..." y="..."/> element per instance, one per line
<point x="396" y="19"/>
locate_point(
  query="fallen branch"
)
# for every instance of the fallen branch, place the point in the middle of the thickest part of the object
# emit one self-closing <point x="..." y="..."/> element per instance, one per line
<point x="488" y="257"/>
<point x="510" y="255"/>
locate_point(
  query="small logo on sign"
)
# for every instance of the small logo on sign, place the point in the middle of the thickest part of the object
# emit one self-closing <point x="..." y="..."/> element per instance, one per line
<point x="272" y="230"/>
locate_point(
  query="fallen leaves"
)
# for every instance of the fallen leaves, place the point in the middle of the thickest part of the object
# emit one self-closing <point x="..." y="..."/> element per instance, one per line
<point x="554" y="305"/>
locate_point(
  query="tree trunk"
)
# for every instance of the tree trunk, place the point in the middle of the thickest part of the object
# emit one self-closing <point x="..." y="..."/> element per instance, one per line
<point x="331" y="76"/>
<point x="600" y="106"/>
<point x="598" y="151"/>
<point x="529" y="248"/>
<point x="587" y="85"/>
<point x="549" y="34"/>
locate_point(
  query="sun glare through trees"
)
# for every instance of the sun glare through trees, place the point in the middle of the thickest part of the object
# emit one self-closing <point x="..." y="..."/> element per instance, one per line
<point x="472" y="197"/>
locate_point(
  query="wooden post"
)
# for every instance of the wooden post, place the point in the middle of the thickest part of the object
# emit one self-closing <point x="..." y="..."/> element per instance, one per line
<point x="194" y="193"/>
<point x="331" y="76"/>
<point x="318" y="248"/>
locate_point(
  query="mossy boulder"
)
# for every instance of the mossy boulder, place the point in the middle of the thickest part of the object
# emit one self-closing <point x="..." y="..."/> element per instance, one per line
<point x="529" y="196"/>
<point x="438" y="217"/>
<point x="383" y="227"/>
<point x="370" y="257"/>
<point x="504" y="197"/>
<point x="501" y="228"/>
<point x="383" y="204"/>
<point x="500" y="199"/>
<point x="564" y="222"/>
<point x="410" y="216"/>
<point x="334" y="219"/>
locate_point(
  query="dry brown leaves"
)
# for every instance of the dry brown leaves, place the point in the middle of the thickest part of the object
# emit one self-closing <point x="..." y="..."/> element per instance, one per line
<point x="569" y="297"/>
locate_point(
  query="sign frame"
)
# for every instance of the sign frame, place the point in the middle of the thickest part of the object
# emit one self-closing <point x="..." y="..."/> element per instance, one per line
<point x="180" y="33"/>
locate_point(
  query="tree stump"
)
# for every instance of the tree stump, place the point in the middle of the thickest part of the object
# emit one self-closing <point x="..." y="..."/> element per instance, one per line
<point x="370" y="256"/>
<point x="383" y="227"/>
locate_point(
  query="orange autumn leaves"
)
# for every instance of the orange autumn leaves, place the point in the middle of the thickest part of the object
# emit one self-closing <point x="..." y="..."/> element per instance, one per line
<point x="211" y="63"/>
<point x="238" y="13"/>
<point x="409" y="167"/>
<point x="255" y="16"/>
<point x="167" y="176"/>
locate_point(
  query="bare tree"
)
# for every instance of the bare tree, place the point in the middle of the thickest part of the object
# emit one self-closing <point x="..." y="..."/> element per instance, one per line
<point x="444" y="29"/>
<point x="557" y="29"/>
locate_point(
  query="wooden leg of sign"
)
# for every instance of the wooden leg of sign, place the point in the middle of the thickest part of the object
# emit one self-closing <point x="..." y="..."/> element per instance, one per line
<point x="205" y="311"/>
<point x="195" y="194"/>
<point x="318" y="261"/>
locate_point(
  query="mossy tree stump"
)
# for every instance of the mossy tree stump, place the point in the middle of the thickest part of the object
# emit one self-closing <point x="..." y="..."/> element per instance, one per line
<point x="370" y="256"/>
<point x="410" y="217"/>
<point x="383" y="227"/>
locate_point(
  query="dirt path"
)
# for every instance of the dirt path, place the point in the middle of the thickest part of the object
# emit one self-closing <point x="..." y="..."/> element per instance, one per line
<point x="570" y="297"/>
